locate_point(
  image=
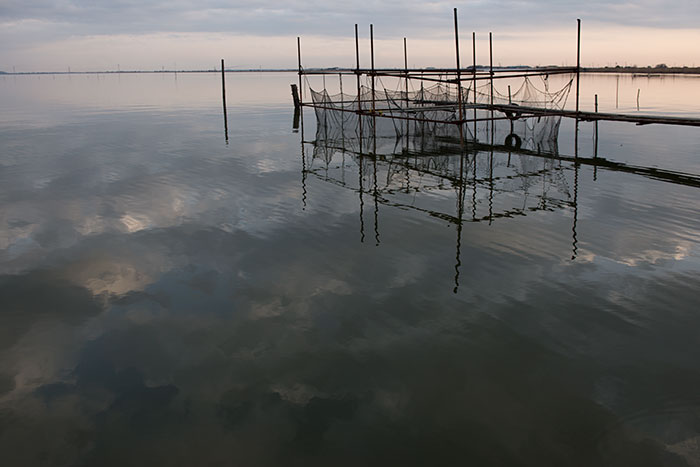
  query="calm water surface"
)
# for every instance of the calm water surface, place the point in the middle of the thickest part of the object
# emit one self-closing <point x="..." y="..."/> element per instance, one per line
<point x="171" y="298"/>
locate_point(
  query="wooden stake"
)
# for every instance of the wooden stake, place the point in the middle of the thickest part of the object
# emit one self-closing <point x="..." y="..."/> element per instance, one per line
<point x="578" y="62"/>
<point x="638" y="90"/>
<point x="295" y="96"/>
<point x="223" y="98"/>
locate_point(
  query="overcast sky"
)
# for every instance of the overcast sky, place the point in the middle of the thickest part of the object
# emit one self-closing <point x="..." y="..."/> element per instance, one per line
<point x="186" y="34"/>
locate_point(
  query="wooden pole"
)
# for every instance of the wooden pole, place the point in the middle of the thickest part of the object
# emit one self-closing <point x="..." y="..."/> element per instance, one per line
<point x="474" y="81"/>
<point x="638" y="90"/>
<point x="405" y="65"/>
<point x="223" y="98"/>
<point x="371" y="50"/>
<point x="295" y="96"/>
<point x="459" y="76"/>
<point x="595" y="145"/>
<point x="491" y="63"/>
<point x="357" y="73"/>
<point x="578" y="62"/>
<point x="301" y="88"/>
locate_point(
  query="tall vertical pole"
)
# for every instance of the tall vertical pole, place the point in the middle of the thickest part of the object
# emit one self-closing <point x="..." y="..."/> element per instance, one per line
<point x="359" y="88"/>
<point x="223" y="98"/>
<point x="578" y="62"/>
<point x="374" y="110"/>
<point x="405" y="66"/>
<point x="301" y="89"/>
<point x="595" y="145"/>
<point x="371" y="50"/>
<point x="491" y="63"/>
<point x="408" y="123"/>
<point x="357" y="74"/>
<point x="459" y="75"/>
<point x="578" y="79"/>
<point x="474" y="82"/>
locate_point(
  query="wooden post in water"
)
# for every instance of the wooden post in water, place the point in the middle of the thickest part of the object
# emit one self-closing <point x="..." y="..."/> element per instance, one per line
<point x="297" y="107"/>
<point x="295" y="96"/>
<point x="638" y="90"/>
<point x="223" y="98"/>
<point x="578" y="62"/>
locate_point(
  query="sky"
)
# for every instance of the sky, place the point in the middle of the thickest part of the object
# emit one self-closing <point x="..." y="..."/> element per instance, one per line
<point x="92" y="35"/>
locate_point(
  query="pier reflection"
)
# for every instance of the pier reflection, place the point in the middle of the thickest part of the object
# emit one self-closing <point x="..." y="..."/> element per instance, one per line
<point x="433" y="172"/>
<point x="458" y="174"/>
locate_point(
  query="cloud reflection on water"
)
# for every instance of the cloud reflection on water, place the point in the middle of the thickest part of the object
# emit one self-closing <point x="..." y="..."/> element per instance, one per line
<point x="233" y="327"/>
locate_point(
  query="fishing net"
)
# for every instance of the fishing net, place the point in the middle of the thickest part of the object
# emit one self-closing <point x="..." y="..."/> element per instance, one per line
<point x="417" y="120"/>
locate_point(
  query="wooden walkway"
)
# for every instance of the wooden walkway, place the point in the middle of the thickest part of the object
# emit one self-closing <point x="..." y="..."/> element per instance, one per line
<point x="522" y="111"/>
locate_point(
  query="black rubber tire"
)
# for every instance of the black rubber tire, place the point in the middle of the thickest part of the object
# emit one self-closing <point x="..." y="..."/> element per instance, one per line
<point x="513" y="141"/>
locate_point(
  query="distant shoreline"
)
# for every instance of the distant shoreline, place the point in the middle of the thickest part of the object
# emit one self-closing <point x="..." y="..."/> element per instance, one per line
<point x="649" y="71"/>
<point x="645" y="70"/>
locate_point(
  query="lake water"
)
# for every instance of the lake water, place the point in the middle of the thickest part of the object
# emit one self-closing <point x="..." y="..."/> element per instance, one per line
<point x="168" y="297"/>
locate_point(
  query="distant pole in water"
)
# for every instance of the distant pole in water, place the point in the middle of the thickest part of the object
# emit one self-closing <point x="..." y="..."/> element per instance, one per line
<point x="223" y="98"/>
<point x="638" y="90"/>
<point x="578" y="63"/>
<point x="617" y="91"/>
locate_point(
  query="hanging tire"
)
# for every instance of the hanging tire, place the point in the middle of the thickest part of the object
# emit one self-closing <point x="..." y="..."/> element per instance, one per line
<point x="513" y="141"/>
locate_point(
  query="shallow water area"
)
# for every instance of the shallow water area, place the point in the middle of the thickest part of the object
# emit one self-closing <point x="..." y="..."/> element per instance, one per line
<point x="171" y="297"/>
